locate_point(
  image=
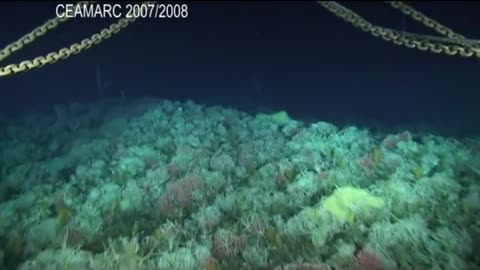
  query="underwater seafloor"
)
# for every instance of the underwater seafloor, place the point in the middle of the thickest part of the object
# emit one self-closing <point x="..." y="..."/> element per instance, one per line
<point x="158" y="184"/>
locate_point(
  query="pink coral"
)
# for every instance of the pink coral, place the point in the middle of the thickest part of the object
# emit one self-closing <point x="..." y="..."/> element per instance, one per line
<point x="180" y="194"/>
<point x="226" y="244"/>
<point x="365" y="260"/>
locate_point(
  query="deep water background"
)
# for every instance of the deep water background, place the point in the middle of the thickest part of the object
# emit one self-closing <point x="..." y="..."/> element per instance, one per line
<point x="293" y="56"/>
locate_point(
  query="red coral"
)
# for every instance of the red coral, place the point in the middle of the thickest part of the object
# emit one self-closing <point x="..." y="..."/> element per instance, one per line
<point x="365" y="260"/>
<point x="180" y="194"/>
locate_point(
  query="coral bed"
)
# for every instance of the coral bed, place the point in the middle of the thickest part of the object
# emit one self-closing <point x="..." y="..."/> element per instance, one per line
<point x="158" y="184"/>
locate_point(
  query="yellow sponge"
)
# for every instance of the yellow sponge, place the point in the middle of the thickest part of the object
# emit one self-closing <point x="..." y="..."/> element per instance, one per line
<point x="346" y="201"/>
<point x="278" y="118"/>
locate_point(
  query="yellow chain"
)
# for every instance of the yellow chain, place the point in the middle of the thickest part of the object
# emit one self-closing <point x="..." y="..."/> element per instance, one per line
<point x="453" y="44"/>
<point x="419" y="42"/>
<point x="433" y="24"/>
<point x="35" y="33"/>
<point x="63" y="53"/>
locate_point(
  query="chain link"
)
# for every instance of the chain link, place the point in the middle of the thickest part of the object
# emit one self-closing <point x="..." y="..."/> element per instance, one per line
<point x="35" y="33"/>
<point x="433" y="24"/>
<point x="416" y="41"/>
<point x="452" y="44"/>
<point x="61" y="54"/>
